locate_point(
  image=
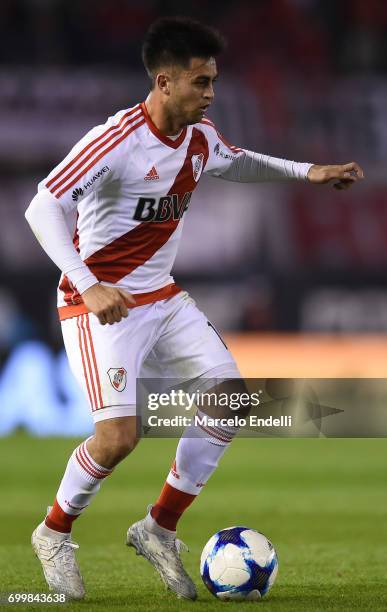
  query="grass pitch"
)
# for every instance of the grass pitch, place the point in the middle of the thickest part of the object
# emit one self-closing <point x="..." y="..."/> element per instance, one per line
<point x="323" y="503"/>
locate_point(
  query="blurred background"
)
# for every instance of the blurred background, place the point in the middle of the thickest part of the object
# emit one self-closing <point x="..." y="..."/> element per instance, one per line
<point x="293" y="274"/>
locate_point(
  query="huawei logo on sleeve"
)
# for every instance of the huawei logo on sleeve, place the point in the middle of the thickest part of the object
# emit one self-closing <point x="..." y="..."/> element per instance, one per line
<point x="77" y="193"/>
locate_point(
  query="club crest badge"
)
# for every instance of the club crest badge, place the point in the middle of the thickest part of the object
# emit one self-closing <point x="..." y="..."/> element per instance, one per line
<point x="117" y="378"/>
<point x="197" y="165"/>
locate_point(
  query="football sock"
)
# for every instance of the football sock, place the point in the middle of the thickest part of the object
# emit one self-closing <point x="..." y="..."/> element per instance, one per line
<point x="197" y="456"/>
<point x="153" y="526"/>
<point x="170" y="506"/>
<point x="57" y="520"/>
<point x="80" y="483"/>
<point x="46" y="532"/>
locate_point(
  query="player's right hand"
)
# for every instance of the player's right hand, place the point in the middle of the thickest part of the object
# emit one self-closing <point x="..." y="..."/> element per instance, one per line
<point x="107" y="303"/>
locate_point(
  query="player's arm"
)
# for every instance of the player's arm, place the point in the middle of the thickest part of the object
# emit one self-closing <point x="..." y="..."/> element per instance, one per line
<point x="234" y="164"/>
<point x="47" y="220"/>
<point x="256" y="167"/>
<point x="92" y="163"/>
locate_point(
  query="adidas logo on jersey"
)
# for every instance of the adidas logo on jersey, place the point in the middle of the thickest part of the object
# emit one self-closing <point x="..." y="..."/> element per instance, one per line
<point x="152" y="175"/>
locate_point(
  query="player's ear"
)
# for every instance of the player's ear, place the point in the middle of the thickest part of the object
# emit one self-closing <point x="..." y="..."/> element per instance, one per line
<point x="163" y="81"/>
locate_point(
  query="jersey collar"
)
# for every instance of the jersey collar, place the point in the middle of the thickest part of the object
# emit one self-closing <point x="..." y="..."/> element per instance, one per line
<point x="165" y="139"/>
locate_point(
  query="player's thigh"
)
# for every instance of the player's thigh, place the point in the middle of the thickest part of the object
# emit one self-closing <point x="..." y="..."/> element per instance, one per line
<point x="189" y="345"/>
<point x="105" y="359"/>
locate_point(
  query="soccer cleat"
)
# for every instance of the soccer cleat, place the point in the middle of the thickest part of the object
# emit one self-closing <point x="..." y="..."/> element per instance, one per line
<point x="60" y="567"/>
<point x="164" y="555"/>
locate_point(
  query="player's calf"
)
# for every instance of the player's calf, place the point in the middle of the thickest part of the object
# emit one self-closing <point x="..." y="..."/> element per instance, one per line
<point x="197" y="456"/>
<point x="113" y="440"/>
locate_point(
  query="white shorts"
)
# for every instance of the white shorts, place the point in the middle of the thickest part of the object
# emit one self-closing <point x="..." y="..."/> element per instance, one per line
<point x="166" y="339"/>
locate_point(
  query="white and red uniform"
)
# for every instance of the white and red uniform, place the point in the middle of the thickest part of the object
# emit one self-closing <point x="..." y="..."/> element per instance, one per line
<point x="131" y="187"/>
<point x="128" y="187"/>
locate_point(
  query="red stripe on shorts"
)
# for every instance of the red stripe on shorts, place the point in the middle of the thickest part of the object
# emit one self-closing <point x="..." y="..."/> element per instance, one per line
<point x="83" y="361"/>
<point x="100" y="402"/>
<point x="89" y="367"/>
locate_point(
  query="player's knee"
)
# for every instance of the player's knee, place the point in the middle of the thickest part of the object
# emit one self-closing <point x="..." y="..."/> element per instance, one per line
<point x="121" y="445"/>
<point x="116" y="439"/>
<point x="238" y="404"/>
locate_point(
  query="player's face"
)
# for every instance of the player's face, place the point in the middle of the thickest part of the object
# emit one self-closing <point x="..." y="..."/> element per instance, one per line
<point x="192" y="91"/>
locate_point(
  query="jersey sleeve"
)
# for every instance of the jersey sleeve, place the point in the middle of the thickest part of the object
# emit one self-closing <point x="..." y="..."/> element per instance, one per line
<point x="221" y="153"/>
<point x="91" y="163"/>
<point x="231" y="163"/>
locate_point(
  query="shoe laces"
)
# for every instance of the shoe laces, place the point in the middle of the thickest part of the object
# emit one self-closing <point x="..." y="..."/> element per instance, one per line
<point x="177" y="545"/>
<point x="63" y="551"/>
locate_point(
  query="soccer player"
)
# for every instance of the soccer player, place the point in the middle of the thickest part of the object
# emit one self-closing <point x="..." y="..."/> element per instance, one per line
<point x="110" y="215"/>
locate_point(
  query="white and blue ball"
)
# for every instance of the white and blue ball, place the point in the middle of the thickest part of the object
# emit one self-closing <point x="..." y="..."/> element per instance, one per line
<point x="238" y="563"/>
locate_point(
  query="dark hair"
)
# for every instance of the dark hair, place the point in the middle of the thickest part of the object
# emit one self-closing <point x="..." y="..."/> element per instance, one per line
<point x="175" y="40"/>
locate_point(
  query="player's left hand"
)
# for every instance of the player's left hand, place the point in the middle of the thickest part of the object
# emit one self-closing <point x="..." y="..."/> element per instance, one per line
<point x="345" y="174"/>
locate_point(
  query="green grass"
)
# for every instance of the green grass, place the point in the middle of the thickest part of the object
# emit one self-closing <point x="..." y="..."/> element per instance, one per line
<point x="323" y="502"/>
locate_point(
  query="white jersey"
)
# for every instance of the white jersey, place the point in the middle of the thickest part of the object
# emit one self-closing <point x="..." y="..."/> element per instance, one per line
<point x="131" y="186"/>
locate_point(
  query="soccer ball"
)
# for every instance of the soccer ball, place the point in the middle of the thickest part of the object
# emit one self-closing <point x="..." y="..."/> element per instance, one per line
<point x="238" y="563"/>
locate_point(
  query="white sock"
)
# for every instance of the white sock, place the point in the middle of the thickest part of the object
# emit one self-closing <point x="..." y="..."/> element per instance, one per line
<point x="153" y="527"/>
<point x="80" y="483"/>
<point x="197" y="456"/>
<point x="46" y="532"/>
